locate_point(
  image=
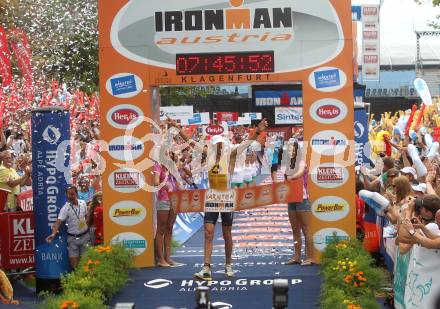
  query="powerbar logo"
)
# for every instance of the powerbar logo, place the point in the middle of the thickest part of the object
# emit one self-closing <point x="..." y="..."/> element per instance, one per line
<point x="330" y="174"/>
<point x="126" y="212"/>
<point x="329" y="207"/>
<point x="126" y="179"/>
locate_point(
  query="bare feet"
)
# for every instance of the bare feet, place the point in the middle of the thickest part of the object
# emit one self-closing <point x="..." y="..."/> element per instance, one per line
<point x="171" y="262"/>
<point x="163" y="264"/>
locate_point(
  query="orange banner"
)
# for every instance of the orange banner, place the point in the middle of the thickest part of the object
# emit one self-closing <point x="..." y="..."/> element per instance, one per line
<point x="237" y="199"/>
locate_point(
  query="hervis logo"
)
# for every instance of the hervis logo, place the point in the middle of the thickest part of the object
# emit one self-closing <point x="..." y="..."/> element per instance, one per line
<point x="329" y="142"/>
<point x="127" y="213"/>
<point x="282" y="26"/>
<point x="125" y="116"/>
<point x="124" y="85"/>
<point x="330" y="208"/>
<point x="328" y="111"/>
<point x="327" y="79"/>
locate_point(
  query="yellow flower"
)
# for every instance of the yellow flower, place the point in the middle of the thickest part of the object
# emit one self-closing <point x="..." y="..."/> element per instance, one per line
<point x="102" y="249"/>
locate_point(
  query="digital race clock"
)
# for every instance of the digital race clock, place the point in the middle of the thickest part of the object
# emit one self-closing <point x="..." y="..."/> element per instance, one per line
<point x="225" y="63"/>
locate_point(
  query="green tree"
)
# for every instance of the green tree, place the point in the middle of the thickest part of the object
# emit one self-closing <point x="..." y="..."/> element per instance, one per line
<point x="63" y="35"/>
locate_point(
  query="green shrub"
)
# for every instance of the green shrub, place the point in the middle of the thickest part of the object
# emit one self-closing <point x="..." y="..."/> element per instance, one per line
<point x="350" y="280"/>
<point x="102" y="272"/>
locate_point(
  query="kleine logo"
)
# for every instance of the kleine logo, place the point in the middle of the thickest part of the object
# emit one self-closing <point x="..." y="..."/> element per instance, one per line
<point x="214" y="130"/>
<point x="329" y="175"/>
<point x="127" y="180"/>
<point x="329" y="111"/>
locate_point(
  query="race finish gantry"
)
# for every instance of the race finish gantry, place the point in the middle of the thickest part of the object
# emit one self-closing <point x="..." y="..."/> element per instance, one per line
<point x="148" y="44"/>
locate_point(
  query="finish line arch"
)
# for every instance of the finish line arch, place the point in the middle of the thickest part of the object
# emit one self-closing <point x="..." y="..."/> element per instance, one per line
<point x="144" y="45"/>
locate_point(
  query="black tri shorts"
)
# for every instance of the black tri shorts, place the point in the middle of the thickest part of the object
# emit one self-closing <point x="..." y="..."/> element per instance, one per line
<point x="212" y="217"/>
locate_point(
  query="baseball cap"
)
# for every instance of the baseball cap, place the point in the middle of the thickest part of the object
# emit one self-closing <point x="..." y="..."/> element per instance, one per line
<point x="409" y="170"/>
<point x="421" y="187"/>
<point x="218" y="139"/>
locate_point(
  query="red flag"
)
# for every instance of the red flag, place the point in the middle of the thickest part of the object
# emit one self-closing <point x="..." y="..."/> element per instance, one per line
<point x="5" y="59"/>
<point x="23" y="53"/>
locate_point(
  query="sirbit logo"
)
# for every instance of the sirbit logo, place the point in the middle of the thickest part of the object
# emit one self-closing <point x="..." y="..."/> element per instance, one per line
<point x="328" y="78"/>
<point x="51" y="135"/>
<point x="158" y="283"/>
<point x="124" y="84"/>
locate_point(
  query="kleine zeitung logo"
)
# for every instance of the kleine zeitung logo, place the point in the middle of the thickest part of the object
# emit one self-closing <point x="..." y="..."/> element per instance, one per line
<point x="329" y="175"/>
<point x="125" y="116"/>
<point x="126" y="180"/>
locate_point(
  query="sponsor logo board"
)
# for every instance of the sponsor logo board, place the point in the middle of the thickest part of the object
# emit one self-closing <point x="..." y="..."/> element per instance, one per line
<point x="325" y="236"/>
<point x="327" y="79"/>
<point x="330" y="208"/>
<point x="329" y="142"/>
<point x="289" y="115"/>
<point x="126" y="180"/>
<point x="127" y="213"/>
<point x="124" y="85"/>
<point x="125" y="116"/>
<point x="328" y="111"/>
<point x="125" y="148"/>
<point x="219" y="201"/>
<point x="329" y="175"/>
<point x="131" y="241"/>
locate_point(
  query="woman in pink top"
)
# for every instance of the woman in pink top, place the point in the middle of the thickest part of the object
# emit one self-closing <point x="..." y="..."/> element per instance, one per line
<point x="165" y="214"/>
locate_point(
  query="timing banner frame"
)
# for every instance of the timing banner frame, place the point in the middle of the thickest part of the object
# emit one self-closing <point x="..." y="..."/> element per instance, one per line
<point x="312" y="44"/>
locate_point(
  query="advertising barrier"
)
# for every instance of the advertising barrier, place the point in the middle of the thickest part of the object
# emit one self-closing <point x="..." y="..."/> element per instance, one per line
<point x="50" y="129"/>
<point x="361" y="136"/>
<point x="25" y="200"/>
<point x="17" y="243"/>
<point x="187" y="224"/>
<point x="237" y="199"/>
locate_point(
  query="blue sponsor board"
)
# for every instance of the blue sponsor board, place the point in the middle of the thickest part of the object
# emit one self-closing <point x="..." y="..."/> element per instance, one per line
<point x="356" y="12"/>
<point x="253" y="116"/>
<point x="195" y="119"/>
<point x="361" y="136"/>
<point x="123" y="85"/>
<point x="187" y="224"/>
<point x="327" y="78"/>
<point x="50" y="129"/>
<point x="278" y="97"/>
